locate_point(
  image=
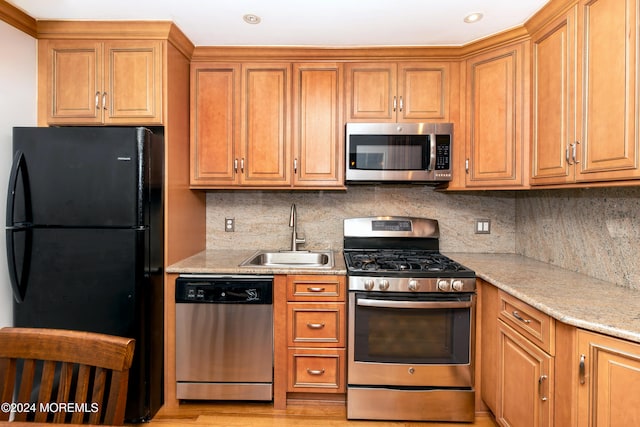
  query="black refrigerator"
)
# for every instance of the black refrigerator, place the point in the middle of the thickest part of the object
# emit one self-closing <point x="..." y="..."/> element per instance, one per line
<point x="85" y="238"/>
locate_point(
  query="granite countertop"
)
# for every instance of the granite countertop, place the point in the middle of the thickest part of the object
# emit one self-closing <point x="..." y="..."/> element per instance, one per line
<point x="569" y="297"/>
<point x="572" y="298"/>
<point x="227" y="262"/>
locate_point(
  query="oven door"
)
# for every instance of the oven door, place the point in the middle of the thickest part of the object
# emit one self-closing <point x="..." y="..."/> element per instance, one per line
<point x="415" y="340"/>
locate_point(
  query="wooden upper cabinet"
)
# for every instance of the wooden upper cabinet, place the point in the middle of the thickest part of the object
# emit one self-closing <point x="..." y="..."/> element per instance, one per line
<point x="497" y="108"/>
<point x="608" y="75"/>
<point x="554" y="105"/>
<point x="133" y="82"/>
<point x="240" y="125"/>
<point x="397" y="92"/>
<point x="248" y="131"/>
<point x="265" y="140"/>
<point x="318" y="127"/>
<point x="215" y="124"/>
<point x="585" y="105"/>
<point x="105" y="82"/>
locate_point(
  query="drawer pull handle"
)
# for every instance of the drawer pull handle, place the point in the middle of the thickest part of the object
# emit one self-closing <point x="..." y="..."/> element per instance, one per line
<point x="520" y="318"/>
<point x="315" y="371"/>
<point x="581" y="370"/>
<point x="315" y="325"/>
<point x="311" y="289"/>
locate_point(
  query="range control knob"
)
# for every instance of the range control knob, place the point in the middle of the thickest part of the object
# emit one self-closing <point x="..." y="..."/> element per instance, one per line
<point x="368" y="284"/>
<point x="384" y="285"/>
<point x="444" y="285"/>
<point x="413" y="285"/>
<point x="457" y="285"/>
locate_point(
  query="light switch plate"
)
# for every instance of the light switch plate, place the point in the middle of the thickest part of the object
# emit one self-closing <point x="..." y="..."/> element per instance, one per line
<point x="483" y="226"/>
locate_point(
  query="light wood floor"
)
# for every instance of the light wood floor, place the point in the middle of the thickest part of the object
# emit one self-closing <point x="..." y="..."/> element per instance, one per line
<point x="263" y="415"/>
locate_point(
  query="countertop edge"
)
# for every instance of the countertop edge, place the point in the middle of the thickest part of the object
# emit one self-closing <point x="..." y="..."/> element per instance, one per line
<point x="571" y="298"/>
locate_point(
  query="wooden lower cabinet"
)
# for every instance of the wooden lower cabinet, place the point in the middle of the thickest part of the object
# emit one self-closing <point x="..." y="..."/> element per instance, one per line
<point x="525" y="378"/>
<point x="310" y="338"/>
<point x="608" y="381"/>
<point x="517" y="362"/>
<point x="315" y="370"/>
<point x="536" y="371"/>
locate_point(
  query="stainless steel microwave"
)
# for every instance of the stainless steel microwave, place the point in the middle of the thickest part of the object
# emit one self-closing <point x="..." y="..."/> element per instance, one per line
<point x="398" y="152"/>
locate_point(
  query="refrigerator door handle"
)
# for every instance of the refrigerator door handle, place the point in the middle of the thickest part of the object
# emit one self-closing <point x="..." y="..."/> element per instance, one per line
<point x="18" y="282"/>
<point x="19" y="168"/>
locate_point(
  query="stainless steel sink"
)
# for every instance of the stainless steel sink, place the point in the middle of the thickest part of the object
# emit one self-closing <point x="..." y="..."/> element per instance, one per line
<point x="290" y="259"/>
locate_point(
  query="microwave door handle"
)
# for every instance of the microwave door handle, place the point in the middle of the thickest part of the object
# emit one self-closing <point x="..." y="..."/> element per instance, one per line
<point x="432" y="151"/>
<point x="364" y="302"/>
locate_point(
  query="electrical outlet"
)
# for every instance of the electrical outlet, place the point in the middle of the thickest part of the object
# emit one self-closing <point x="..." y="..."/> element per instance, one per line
<point x="483" y="226"/>
<point x="229" y="224"/>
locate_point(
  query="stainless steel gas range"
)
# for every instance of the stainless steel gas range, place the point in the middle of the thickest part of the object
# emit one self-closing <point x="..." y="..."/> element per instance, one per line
<point x="411" y="323"/>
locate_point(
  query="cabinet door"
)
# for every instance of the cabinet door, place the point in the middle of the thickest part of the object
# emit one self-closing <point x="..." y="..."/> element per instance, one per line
<point x="609" y="43"/>
<point x="215" y="124"/>
<point x="133" y="82"/>
<point x="525" y="375"/>
<point x="496" y="132"/>
<point x="371" y="92"/>
<point x="423" y="90"/>
<point x="609" y="391"/>
<point x="72" y="81"/>
<point x="490" y="307"/>
<point x="265" y="150"/>
<point x="318" y="133"/>
<point x="554" y="74"/>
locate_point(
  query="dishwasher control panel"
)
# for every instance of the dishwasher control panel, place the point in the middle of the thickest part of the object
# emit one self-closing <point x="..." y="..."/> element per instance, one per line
<point x="224" y="289"/>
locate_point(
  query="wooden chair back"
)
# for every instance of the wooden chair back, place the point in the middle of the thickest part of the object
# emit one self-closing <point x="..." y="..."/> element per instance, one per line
<point x="92" y="371"/>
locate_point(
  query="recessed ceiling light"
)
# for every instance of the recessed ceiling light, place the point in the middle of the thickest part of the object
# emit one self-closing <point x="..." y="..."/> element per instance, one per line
<point x="473" y="17"/>
<point x="250" y="18"/>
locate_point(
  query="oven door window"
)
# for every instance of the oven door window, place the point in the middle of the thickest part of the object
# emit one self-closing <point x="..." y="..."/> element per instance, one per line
<point x="385" y="332"/>
<point x="389" y="152"/>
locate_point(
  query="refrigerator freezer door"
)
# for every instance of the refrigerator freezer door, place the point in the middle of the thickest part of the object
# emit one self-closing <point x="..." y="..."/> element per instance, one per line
<point x="81" y="176"/>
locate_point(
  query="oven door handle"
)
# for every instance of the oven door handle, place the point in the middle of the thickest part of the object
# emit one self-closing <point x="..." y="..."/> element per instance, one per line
<point x="413" y="304"/>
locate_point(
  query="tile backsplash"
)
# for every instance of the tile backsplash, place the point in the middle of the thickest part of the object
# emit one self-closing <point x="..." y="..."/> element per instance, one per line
<point x="592" y="231"/>
<point x="262" y="217"/>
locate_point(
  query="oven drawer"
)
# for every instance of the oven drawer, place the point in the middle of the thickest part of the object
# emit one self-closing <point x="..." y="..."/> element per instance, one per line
<point x="530" y="322"/>
<point x="316" y="288"/>
<point x="316" y="324"/>
<point x="316" y="370"/>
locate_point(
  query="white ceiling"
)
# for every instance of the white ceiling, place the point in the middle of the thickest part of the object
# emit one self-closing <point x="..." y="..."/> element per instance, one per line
<point x="306" y="22"/>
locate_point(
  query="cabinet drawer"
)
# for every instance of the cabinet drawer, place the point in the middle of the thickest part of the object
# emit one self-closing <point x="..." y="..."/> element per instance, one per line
<point x="317" y="370"/>
<point x="316" y="324"/>
<point x="316" y="288"/>
<point x="537" y="327"/>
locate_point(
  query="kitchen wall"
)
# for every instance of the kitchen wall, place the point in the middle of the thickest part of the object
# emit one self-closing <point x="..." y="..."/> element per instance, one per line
<point x="592" y="231"/>
<point x="262" y="217"/>
<point x="17" y="108"/>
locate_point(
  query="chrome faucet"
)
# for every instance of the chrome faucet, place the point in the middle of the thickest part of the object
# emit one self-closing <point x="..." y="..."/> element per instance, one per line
<point x="295" y="240"/>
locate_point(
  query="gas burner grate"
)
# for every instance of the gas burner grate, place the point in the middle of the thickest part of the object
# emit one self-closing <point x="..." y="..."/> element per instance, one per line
<point x="401" y="261"/>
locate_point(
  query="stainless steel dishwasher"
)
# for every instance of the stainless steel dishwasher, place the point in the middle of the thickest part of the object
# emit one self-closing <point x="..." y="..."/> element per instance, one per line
<point x="224" y="337"/>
